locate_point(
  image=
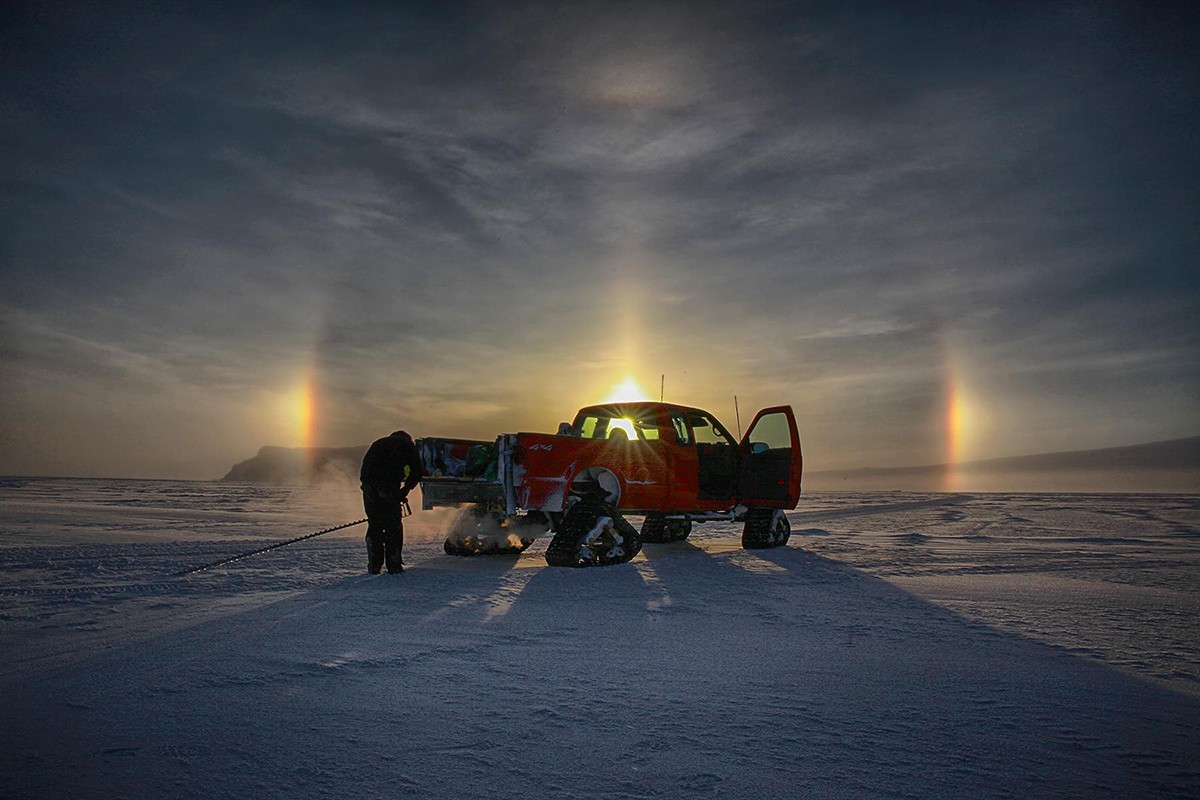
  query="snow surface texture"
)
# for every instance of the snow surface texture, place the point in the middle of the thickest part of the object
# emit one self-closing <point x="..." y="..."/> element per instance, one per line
<point x="900" y="646"/>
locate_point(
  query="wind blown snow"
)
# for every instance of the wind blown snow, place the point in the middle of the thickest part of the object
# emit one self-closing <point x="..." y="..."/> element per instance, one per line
<point x="899" y="646"/>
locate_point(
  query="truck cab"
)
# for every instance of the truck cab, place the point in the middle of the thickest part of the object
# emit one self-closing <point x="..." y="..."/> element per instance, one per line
<point x="680" y="458"/>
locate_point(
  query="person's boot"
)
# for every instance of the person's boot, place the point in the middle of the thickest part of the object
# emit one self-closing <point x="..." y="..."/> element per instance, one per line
<point x="375" y="555"/>
<point x="394" y="562"/>
<point x="393" y="542"/>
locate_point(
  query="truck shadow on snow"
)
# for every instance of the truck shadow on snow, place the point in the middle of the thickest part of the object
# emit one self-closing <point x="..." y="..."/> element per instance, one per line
<point x="788" y="591"/>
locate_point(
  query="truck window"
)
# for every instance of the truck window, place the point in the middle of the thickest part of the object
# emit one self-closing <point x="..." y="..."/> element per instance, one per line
<point x="771" y="433"/>
<point x="589" y="428"/>
<point x="644" y="428"/>
<point x="623" y="425"/>
<point x="605" y="427"/>
<point x="679" y="423"/>
<point x="708" y="431"/>
<point x="647" y="429"/>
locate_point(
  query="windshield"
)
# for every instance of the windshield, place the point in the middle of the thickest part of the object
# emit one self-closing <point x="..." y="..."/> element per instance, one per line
<point x="706" y="429"/>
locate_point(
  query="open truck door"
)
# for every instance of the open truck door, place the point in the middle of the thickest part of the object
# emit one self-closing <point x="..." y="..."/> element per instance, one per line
<point x="771" y="461"/>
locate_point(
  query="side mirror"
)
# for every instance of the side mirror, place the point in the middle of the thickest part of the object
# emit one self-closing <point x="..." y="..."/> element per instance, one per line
<point x="759" y="447"/>
<point x="564" y="429"/>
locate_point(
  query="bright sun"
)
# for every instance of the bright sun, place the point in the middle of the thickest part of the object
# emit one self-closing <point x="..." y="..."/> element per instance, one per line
<point x="627" y="391"/>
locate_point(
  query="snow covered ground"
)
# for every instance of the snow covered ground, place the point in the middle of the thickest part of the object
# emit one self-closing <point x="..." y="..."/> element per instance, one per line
<point x="902" y="645"/>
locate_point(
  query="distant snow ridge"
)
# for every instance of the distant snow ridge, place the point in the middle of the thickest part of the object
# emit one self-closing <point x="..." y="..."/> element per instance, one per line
<point x="1169" y="466"/>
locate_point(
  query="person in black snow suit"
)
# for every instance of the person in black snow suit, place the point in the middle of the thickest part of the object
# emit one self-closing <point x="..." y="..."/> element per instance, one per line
<point x="390" y="469"/>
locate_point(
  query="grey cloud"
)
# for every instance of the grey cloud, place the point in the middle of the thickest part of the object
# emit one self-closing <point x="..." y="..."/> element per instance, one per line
<point x="460" y="216"/>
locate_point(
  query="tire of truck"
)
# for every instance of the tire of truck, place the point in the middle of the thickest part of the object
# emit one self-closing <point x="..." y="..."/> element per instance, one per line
<point x="593" y="535"/>
<point x="657" y="529"/>
<point x="479" y="532"/>
<point x="765" y="527"/>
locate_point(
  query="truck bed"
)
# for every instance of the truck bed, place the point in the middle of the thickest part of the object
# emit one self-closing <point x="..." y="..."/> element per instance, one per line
<point x="459" y="471"/>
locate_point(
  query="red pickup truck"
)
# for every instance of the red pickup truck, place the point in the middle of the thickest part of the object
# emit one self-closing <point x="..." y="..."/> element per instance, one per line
<point x="673" y="464"/>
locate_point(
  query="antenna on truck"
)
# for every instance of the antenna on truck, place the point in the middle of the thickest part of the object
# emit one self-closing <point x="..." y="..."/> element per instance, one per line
<point x="737" y="414"/>
<point x="662" y="387"/>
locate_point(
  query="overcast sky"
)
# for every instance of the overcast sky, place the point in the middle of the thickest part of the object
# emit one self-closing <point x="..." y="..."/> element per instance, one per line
<point x="948" y="230"/>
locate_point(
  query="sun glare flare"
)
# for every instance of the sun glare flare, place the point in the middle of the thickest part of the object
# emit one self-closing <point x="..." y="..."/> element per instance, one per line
<point x="625" y="426"/>
<point x="627" y="391"/>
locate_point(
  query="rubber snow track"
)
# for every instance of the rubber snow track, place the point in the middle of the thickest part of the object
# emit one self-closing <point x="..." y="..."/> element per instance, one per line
<point x="573" y="545"/>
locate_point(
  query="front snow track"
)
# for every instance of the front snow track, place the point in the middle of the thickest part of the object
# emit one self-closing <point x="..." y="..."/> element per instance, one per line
<point x="593" y="535"/>
<point x="765" y="527"/>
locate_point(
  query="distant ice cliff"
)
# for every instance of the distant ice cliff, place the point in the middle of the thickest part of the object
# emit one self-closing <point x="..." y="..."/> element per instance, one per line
<point x="298" y="464"/>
